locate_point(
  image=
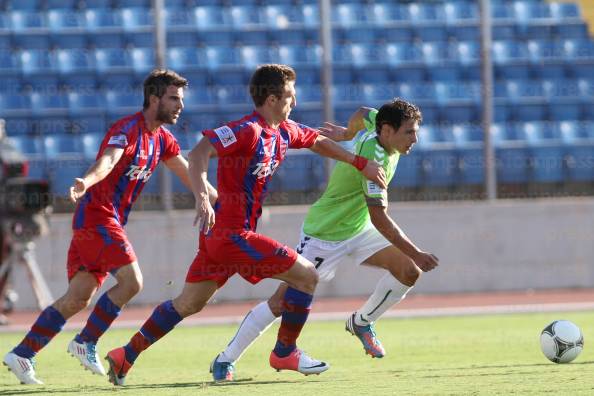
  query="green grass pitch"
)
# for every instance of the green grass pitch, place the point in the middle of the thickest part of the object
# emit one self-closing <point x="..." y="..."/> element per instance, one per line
<point x="473" y="355"/>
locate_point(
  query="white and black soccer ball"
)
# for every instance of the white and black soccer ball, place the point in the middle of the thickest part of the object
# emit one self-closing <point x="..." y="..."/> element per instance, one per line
<point x="561" y="341"/>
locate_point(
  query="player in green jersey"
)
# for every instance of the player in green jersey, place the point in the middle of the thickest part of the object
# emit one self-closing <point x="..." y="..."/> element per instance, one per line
<point x="350" y="222"/>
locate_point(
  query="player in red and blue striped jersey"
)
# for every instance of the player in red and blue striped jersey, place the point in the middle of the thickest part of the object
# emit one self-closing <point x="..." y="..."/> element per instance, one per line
<point x="129" y="154"/>
<point x="249" y="151"/>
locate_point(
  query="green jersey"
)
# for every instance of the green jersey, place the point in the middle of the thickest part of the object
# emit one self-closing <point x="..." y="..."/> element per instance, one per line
<point x="341" y="212"/>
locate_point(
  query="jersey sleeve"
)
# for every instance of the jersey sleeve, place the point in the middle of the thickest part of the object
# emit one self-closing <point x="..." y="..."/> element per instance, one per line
<point x="169" y="146"/>
<point x="301" y="136"/>
<point x="374" y="194"/>
<point x="227" y="141"/>
<point x="116" y="137"/>
<point x="369" y="120"/>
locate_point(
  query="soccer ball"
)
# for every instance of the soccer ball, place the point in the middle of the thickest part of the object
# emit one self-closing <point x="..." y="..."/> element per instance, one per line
<point x="561" y="341"/>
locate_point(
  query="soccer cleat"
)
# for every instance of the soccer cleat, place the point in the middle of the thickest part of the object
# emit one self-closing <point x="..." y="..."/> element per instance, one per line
<point x="221" y="371"/>
<point x="87" y="355"/>
<point x="118" y="366"/>
<point x="366" y="334"/>
<point x="299" y="361"/>
<point x="22" y="368"/>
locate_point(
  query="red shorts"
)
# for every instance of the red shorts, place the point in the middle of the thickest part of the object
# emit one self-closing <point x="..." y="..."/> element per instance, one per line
<point x="223" y="253"/>
<point x="99" y="250"/>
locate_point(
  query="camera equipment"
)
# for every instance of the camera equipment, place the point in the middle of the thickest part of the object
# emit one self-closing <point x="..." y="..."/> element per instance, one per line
<point x="22" y="205"/>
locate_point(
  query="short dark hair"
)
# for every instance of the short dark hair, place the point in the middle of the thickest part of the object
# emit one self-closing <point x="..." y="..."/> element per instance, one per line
<point x="157" y="82"/>
<point x="270" y="80"/>
<point x="395" y="112"/>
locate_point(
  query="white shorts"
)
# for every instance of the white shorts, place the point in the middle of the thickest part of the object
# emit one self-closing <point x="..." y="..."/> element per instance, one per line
<point x="326" y="255"/>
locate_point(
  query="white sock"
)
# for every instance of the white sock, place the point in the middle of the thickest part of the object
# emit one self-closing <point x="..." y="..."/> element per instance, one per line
<point x="256" y="322"/>
<point x="389" y="291"/>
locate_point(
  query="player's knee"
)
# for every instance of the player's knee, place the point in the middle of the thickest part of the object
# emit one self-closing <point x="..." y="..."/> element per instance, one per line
<point x="311" y="279"/>
<point x="275" y="303"/>
<point x="411" y="273"/>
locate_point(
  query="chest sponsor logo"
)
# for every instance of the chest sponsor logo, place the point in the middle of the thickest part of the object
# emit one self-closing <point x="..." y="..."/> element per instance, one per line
<point x="264" y="169"/>
<point x="226" y="136"/>
<point x="139" y="173"/>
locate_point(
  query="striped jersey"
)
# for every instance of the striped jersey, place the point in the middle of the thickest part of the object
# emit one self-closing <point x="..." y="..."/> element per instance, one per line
<point x="249" y="152"/>
<point x="109" y="201"/>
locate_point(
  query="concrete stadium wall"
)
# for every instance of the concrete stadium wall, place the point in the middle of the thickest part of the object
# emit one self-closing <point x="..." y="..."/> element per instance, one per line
<point x="505" y="245"/>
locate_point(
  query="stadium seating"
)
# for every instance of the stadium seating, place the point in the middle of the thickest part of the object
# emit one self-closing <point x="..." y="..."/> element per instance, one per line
<point x="77" y="65"/>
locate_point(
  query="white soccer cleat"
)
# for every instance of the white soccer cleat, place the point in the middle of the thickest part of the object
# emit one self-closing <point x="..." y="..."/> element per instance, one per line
<point x="22" y="368"/>
<point x="87" y="356"/>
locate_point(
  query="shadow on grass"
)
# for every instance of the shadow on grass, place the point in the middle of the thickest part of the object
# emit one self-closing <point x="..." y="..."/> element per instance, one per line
<point x="32" y="390"/>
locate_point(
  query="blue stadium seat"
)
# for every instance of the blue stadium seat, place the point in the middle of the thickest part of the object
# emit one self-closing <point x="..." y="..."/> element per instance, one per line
<point x="38" y="40"/>
<point x="572" y="30"/>
<point x="360" y="34"/>
<point x="232" y="95"/>
<point x="9" y="63"/>
<point x="421" y="13"/>
<point x="578" y="140"/>
<point x="541" y="51"/>
<point x="560" y="110"/>
<point x="460" y="12"/>
<point x="409" y="171"/>
<point x="135" y="18"/>
<point x="56" y="145"/>
<point x="467" y="52"/>
<point x="251" y="56"/>
<point x="28" y="145"/>
<point x="218" y="56"/>
<point x="98" y="3"/>
<point x="311" y="15"/>
<point x="26" y="5"/>
<point x="69" y="61"/>
<point x="242" y="17"/>
<point x="347" y="15"/>
<point x="61" y="19"/>
<point x="90" y="143"/>
<point x="433" y="53"/>
<point x="446" y="93"/>
<point x="15" y="125"/>
<point x="297" y="55"/>
<point x="209" y="17"/>
<point x="508" y="51"/>
<point x="547" y="158"/>
<point x="200" y="96"/>
<point x="125" y="102"/>
<point x="179" y="17"/>
<point x="94" y="122"/>
<point x="385" y="13"/>
<point x="578" y="49"/>
<point x="564" y="11"/>
<point x="46" y="104"/>
<point x="99" y="18"/>
<point x="112" y="60"/>
<point x="26" y="20"/>
<point x="134" y="3"/>
<point x="310" y="93"/>
<point x="280" y="16"/>
<point x="143" y="60"/>
<point x="140" y="39"/>
<point x="61" y="4"/>
<point x="85" y="102"/>
<point x="14" y="104"/>
<point x="36" y="61"/>
<point x="181" y="59"/>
